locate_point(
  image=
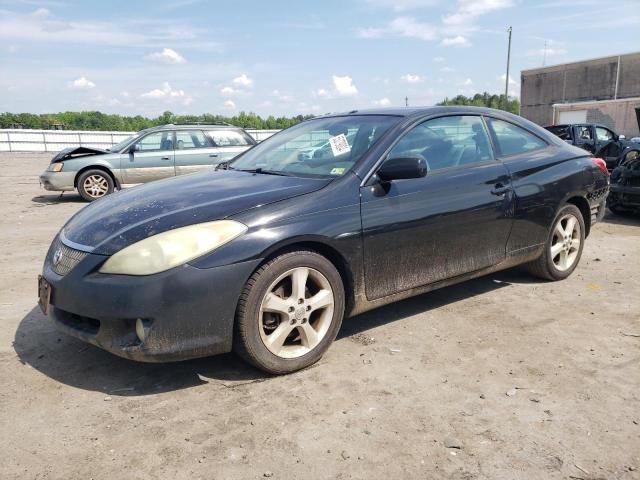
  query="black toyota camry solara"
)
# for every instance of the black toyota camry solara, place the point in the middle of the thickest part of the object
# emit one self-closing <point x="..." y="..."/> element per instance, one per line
<point x="332" y="217"/>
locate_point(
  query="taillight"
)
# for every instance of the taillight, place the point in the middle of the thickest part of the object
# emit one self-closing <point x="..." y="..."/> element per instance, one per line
<point x="601" y="164"/>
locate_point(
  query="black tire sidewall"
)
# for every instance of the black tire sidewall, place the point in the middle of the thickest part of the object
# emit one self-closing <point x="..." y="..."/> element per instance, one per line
<point x="562" y="274"/>
<point x="88" y="173"/>
<point x="258" y="353"/>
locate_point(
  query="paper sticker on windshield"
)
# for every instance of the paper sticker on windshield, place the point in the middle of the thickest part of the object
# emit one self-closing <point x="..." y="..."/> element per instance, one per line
<point x="339" y="145"/>
<point x="337" y="171"/>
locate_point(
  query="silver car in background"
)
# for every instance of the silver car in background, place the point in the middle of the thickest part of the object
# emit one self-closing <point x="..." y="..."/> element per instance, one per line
<point x="150" y="154"/>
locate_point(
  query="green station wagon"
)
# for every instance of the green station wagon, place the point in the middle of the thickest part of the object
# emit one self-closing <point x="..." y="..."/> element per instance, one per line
<point x="150" y="154"/>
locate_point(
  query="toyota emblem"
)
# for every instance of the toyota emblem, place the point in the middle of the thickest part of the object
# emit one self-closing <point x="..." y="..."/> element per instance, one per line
<point x="57" y="257"/>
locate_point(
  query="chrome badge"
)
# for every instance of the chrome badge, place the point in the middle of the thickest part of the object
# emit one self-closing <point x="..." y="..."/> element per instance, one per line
<point x="57" y="257"/>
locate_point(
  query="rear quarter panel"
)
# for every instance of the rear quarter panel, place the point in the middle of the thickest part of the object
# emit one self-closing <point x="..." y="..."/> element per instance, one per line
<point x="543" y="181"/>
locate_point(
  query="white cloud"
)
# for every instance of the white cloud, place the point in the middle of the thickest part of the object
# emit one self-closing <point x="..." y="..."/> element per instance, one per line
<point x="243" y="81"/>
<point x="230" y="104"/>
<point x="321" y="92"/>
<point x="468" y="10"/>
<point x="409" y="78"/>
<point x="344" y="86"/>
<point x="409" y="27"/>
<point x="447" y="69"/>
<point x="457" y="41"/>
<point x="402" y="5"/>
<point x="82" y="83"/>
<point x="370" y="32"/>
<point x="41" y="13"/>
<point x="283" y="97"/>
<point x="168" y="94"/>
<point x="511" y="80"/>
<point x="468" y="82"/>
<point x="167" y="56"/>
<point x="228" y="91"/>
<point x="438" y="59"/>
<point x="383" y="102"/>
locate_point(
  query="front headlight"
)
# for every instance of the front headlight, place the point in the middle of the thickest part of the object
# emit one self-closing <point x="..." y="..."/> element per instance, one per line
<point x="56" y="167"/>
<point x="170" y="249"/>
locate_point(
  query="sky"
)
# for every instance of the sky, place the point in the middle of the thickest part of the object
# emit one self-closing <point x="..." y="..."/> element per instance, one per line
<point x="288" y="57"/>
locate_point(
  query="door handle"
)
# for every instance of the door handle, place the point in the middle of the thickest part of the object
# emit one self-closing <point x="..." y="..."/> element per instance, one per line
<point x="165" y="158"/>
<point x="499" y="189"/>
<point x="213" y="155"/>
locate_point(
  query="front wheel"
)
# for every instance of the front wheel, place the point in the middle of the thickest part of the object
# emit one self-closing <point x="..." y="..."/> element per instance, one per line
<point x="289" y="312"/>
<point x="94" y="184"/>
<point x="563" y="248"/>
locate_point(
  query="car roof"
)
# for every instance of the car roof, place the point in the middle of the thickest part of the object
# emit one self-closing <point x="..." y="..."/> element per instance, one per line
<point x="191" y="126"/>
<point x="419" y="111"/>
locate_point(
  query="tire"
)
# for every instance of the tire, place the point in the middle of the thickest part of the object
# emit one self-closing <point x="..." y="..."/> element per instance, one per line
<point x="272" y="304"/>
<point x="94" y="184"/>
<point x="563" y="260"/>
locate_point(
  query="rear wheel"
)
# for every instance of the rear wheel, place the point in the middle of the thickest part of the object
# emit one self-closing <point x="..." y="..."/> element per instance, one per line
<point x="563" y="248"/>
<point x="94" y="184"/>
<point x="289" y="312"/>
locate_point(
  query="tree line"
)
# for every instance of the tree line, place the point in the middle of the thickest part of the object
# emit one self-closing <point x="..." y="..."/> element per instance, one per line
<point x="93" y="120"/>
<point x="485" y="100"/>
<point x="112" y="122"/>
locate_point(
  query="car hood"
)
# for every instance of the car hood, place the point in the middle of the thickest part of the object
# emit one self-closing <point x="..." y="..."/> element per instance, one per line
<point x="76" y="152"/>
<point x="118" y="220"/>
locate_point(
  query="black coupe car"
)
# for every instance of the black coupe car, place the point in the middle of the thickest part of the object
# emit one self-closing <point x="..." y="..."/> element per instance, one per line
<point x="267" y="256"/>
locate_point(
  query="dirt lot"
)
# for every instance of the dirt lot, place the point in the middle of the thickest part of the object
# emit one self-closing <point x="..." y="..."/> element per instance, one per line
<point x="529" y="379"/>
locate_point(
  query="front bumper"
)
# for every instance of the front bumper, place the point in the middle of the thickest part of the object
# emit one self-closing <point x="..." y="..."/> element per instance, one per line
<point x="185" y="312"/>
<point x="58" y="181"/>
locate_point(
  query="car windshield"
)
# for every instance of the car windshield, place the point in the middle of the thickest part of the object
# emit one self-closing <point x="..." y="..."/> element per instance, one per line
<point x="300" y="151"/>
<point x="119" y="146"/>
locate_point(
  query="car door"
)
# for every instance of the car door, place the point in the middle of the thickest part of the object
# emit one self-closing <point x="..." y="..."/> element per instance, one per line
<point x="150" y="158"/>
<point x="229" y="143"/>
<point x="454" y="220"/>
<point x="583" y="137"/>
<point x="194" y="151"/>
<point x="607" y="147"/>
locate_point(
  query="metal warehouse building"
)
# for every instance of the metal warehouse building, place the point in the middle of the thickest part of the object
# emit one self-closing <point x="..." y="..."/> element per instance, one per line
<point x="602" y="90"/>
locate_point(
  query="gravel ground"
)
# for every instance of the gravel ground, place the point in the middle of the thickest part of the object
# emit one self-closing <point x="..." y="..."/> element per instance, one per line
<point x="502" y="377"/>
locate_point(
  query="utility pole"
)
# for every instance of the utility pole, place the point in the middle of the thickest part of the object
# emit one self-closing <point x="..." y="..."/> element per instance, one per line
<point x="406" y="101"/>
<point x="544" y="56"/>
<point x="506" y="81"/>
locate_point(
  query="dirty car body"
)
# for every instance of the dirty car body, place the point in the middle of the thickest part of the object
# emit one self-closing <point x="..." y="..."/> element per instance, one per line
<point x="150" y="154"/>
<point x="494" y="183"/>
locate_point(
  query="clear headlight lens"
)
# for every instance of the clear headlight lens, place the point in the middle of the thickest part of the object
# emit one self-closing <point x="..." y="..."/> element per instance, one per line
<point x="170" y="249"/>
<point x="56" y="167"/>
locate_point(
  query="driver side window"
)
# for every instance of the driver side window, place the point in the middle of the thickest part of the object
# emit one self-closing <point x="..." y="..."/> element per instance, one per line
<point x="446" y="142"/>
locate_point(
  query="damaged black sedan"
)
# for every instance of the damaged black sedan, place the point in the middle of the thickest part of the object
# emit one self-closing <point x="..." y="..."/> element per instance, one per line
<point x="268" y="255"/>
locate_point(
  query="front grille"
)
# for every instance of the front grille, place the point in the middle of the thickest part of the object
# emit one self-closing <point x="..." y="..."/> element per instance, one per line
<point x="63" y="259"/>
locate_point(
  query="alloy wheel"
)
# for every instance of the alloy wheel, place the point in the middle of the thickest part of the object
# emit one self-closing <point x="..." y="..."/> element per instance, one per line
<point x="96" y="186"/>
<point x="296" y="312"/>
<point x="565" y="244"/>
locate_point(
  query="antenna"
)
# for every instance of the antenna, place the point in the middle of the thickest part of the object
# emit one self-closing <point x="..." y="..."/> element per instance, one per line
<point x="544" y="55"/>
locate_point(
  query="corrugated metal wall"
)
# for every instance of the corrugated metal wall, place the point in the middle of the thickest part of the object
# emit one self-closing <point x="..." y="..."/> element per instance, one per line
<point x="601" y="79"/>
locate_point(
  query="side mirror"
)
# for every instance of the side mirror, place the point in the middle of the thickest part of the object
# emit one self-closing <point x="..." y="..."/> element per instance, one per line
<point x="402" y="168"/>
<point x="134" y="148"/>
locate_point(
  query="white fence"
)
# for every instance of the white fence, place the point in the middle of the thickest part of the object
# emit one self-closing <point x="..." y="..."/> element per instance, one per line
<point x="23" y="140"/>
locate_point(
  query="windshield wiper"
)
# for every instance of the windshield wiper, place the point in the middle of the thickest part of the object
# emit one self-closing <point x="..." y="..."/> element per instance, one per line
<point x="261" y="170"/>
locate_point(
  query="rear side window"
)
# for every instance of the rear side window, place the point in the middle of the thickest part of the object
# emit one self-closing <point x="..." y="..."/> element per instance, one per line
<point x="190" y="139"/>
<point x="230" y="138"/>
<point x="563" y="133"/>
<point x="512" y="140"/>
